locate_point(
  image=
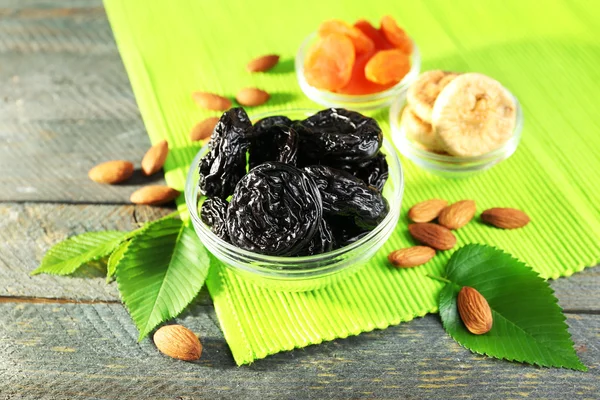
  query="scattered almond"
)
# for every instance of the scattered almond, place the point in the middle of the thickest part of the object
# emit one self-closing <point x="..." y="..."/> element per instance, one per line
<point x="252" y="97"/>
<point x="427" y="210"/>
<point x="179" y="342"/>
<point x="212" y="101"/>
<point x="204" y="129"/>
<point x="457" y="215"/>
<point x="411" y="256"/>
<point x="155" y="157"/>
<point x="111" y="172"/>
<point x="154" y="195"/>
<point x="505" y="218"/>
<point x="474" y="311"/>
<point x="263" y="63"/>
<point x="436" y="236"/>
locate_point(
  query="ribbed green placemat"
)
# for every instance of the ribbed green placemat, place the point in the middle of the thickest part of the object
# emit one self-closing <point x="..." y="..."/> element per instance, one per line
<point x="548" y="56"/>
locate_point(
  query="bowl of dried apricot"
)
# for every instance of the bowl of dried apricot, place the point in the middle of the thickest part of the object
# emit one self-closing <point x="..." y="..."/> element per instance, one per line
<point x="456" y="124"/>
<point x="358" y="67"/>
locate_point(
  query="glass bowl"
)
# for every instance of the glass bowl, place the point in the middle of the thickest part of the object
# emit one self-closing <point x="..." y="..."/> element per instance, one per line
<point x="446" y="165"/>
<point x="298" y="273"/>
<point x="365" y="102"/>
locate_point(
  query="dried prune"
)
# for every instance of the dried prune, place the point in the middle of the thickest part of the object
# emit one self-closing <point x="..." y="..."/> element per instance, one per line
<point x="264" y="125"/>
<point x="225" y="163"/>
<point x="214" y="213"/>
<point x="275" y="209"/>
<point x="373" y="172"/>
<point x="345" y="230"/>
<point x="322" y="242"/>
<point x="273" y="140"/>
<point x="339" y="135"/>
<point x="343" y="194"/>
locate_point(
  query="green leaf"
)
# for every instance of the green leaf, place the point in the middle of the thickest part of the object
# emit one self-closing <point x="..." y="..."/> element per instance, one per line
<point x="528" y="323"/>
<point x="65" y="257"/>
<point x="114" y="259"/>
<point x="161" y="272"/>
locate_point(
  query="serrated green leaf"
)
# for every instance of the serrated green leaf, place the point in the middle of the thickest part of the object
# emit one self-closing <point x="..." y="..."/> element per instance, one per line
<point x="161" y="272"/>
<point x="528" y="323"/>
<point x="65" y="257"/>
<point x="114" y="259"/>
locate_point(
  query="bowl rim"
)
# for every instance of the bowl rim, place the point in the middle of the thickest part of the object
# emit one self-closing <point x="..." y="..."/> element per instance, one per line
<point x="192" y="195"/>
<point x="398" y="134"/>
<point x="412" y="74"/>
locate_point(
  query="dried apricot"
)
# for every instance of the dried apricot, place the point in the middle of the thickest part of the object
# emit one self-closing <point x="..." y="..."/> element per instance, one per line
<point x="395" y="35"/>
<point x="328" y="64"/>
<point x="387" y="66"/>
<point x="359" y="84"/>
<point x="362" y="43"/>
<point x="381" y="43"/>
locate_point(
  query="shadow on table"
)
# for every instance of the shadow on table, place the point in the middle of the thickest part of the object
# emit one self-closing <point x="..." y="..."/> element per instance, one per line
<point x="284" y="66"/>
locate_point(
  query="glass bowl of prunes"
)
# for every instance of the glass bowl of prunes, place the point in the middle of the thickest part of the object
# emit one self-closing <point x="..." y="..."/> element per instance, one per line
<point x="297" y="199"/>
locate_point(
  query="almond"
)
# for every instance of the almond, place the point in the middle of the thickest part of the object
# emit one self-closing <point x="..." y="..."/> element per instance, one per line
<point x="252" y="97"/>
<point x="474" y="311"/>
<point x="111" y="172"/>
<point x="204" y="129"/>
<point x="211" y="101"/>
<point x="427" y="210"/>
<point x="436" y="236"/>
<point x="155" y="157"/>
<point x="505" y="218"/>
<point x="179" y="342"/>
<point x="154" y="195"/>
<point x="411" y="256"/>
<point x="263" y="63"/>
<point x="457" y="215"/>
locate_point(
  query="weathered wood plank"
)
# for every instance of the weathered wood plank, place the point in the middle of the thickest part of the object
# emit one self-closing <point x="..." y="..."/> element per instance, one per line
<point x="28" y="230"/>
<point x="79" y="351"/>
<point x="66" y="104"/>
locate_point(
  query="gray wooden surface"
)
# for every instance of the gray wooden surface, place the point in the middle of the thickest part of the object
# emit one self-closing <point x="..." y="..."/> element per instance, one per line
<point x="66" y="104"/>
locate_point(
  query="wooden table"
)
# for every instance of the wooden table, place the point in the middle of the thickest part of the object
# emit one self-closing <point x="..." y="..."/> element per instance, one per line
<point x="66" y="105"/>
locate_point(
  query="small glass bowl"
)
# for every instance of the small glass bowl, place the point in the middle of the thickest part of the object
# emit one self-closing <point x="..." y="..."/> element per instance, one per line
<point x="298" y="273"/>
<point x="365" y="102"/>
<point x="446" y="165"/>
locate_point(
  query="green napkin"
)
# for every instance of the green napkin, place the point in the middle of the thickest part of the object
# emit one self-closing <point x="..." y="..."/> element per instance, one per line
<point x="547" y="56"/>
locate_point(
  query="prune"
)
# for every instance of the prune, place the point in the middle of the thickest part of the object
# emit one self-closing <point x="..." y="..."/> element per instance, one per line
<point x="373" y="172"/>
<point x="265" y="124"/>
<point x="344" y="194"/>
<point x="339" y="135"/>
<point x="225" y="163"/>
<point x="275" y="209"/>
<point x="273" y="140"/>
<point x="345" y="231"/>
<point x="214" y="214"/>
<point x="322" y="242"/>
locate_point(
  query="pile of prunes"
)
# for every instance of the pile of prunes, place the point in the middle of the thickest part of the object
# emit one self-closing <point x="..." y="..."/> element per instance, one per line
<point x="294" y="188"/>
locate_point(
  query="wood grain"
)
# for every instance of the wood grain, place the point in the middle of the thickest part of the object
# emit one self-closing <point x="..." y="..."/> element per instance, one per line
<point x="75" y="351"/>
<point x="27" y="231"/>
<point x="65" y="104"/>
